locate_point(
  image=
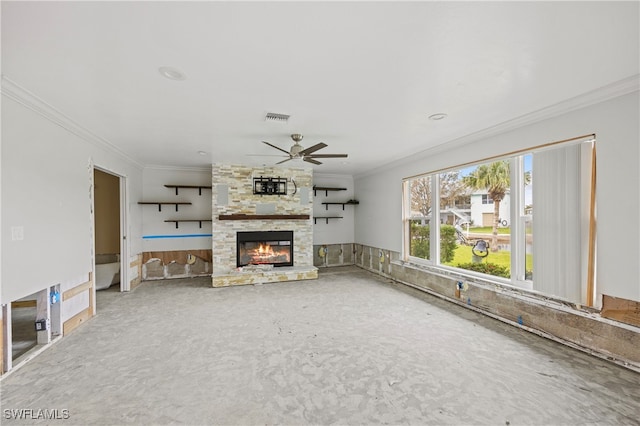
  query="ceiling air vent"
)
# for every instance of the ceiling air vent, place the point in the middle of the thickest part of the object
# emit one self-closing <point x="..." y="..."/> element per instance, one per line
<point x="280" y="118"/>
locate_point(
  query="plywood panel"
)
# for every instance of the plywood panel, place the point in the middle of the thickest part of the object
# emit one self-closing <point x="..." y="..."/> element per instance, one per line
<point x="23" y="304"/>
<point x="73" y="322"/>
<point x="623" y="310"/>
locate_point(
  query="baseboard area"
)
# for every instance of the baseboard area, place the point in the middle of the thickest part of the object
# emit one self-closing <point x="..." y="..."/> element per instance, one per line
<point x="162" y="265"/>
<point x="327" y="255"/>
<point x="581" y="328"/>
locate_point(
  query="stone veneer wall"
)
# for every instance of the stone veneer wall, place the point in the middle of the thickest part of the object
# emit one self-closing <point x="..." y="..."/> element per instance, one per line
<point x="234" y="184"/>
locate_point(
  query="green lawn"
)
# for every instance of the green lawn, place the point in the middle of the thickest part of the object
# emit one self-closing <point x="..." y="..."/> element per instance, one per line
<point x="503" y="258"/>
<point x="487" y="230"/>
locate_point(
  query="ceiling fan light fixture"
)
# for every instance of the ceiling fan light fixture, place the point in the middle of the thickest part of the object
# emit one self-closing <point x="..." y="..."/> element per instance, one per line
<point x="280" y="118"/>
<point x="298" y="152"/>
<point x="295" y="150"/>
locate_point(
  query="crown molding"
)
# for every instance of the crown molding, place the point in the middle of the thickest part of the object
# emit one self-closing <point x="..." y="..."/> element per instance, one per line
<point x="12" y="90"/>
<point x="178" y="168"/>
<point x="619" y="88"/>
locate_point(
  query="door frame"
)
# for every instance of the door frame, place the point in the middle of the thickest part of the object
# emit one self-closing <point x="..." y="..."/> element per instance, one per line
<point x="125" y="285"/>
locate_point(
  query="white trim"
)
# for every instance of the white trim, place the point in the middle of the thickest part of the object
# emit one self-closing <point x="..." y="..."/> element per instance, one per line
<point x="518" y="244"/>
<point x="14" y="91"/>
<point x="434" y="225"/>
<point x="7" y="342"/>
<point x="125" y="285"/>
<point x="178" y="168"/>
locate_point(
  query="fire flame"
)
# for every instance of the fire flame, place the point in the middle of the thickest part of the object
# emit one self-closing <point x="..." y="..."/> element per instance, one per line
<point x="265" y="250"/>
<point x="265" y="253"/>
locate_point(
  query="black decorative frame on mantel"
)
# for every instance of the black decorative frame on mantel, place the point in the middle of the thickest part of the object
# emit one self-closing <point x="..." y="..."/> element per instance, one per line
<point x="270" y="186"/>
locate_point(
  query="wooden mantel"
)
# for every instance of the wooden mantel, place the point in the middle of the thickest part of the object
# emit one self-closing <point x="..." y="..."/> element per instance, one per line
<point x="262" y="216"/>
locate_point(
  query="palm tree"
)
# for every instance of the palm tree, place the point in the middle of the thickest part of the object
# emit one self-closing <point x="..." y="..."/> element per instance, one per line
<point x="495" y="179"/>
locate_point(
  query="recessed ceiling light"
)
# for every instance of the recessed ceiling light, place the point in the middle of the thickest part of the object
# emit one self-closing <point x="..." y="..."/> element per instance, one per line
<point x="202" y="152"/>
<point x="172" y="73"/>
<point x="438" y="116"/>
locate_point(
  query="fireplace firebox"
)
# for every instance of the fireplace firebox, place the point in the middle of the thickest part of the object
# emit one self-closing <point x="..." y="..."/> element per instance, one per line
<point x="265" y="248"/>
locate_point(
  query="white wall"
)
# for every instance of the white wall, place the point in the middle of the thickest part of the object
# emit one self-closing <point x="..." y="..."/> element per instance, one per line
<point x="337" y="231"/>
<point x="616" y="124"/>
<point x="153" y="224"/>
<point x="46" y="177"/>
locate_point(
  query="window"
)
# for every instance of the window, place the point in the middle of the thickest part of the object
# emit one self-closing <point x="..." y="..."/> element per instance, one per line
<point x="419" y="217"/>
<point x="478" y="219"/>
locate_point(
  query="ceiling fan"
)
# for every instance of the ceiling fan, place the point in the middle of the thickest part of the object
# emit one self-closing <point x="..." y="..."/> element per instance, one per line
<point x="298" y="152"/>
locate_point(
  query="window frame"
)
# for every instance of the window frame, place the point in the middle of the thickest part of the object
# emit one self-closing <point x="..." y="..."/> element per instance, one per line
<point x="518" y="217"/>
<point x="486" y="199"/>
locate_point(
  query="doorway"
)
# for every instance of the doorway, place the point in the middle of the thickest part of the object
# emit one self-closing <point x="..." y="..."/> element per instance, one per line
<point x="24" y="336"/>
<point x="109" y="237"/>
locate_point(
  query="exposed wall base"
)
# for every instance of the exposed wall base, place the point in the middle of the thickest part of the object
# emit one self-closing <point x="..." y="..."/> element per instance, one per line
<point x="333" y="255"/>
<point x="73" y="322"/>
<point x="162" y="265"/>
<point x="581" y="329"/>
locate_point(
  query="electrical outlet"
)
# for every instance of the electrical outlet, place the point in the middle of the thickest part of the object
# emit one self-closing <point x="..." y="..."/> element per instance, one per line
<point x="42" y="325"/>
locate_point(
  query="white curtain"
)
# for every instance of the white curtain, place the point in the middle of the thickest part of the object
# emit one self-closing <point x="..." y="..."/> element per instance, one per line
<point x="560" y="232"/>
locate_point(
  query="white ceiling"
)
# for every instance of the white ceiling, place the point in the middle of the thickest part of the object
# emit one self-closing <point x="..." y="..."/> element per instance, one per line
<point x="362" y="77"/>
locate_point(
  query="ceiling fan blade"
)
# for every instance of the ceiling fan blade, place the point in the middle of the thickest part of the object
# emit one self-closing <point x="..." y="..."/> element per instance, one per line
<point x="276" y="147"/>
<point x="328" y="155"/>
<point x="266" y="155"/>
<point x="313" y="148"/>
<point x="280" y="162"/>
<point x="311" y="160"/>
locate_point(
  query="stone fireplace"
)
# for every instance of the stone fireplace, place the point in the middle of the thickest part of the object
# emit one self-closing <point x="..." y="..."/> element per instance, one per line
<point x="283" y="221"/>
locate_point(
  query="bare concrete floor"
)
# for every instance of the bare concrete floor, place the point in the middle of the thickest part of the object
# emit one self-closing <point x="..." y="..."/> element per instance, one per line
<point x="348" y="348"/>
